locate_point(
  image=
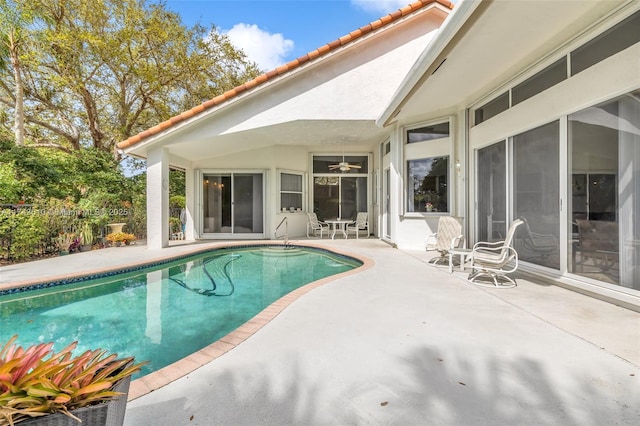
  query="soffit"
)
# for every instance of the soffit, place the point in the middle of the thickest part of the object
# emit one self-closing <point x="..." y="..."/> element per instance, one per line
<point x="316" y="134"/>
<point x="502" y="39"/>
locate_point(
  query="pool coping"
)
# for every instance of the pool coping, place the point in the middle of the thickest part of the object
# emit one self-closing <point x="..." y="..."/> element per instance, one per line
<point x="192" y="362"/>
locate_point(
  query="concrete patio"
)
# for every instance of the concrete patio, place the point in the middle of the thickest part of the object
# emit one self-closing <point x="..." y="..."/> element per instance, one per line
<point x="402" y="343"/>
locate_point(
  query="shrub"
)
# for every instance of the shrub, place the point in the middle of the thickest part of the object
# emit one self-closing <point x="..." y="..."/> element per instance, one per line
<point x="25" y="230"/>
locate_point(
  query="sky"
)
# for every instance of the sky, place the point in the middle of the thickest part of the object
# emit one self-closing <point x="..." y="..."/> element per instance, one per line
<point x="273" y="32"/>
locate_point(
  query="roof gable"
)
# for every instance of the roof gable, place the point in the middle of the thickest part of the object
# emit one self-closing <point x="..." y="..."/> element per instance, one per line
<point x="283" y="69"/>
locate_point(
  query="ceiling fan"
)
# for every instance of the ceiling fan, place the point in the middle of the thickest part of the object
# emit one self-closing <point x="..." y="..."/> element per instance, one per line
<point x="343" y="165"/>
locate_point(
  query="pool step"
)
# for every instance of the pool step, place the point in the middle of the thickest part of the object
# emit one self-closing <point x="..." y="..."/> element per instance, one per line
<point x="280" y="251"/>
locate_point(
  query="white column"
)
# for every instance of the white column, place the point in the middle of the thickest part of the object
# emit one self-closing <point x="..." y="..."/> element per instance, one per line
<point x="157" y="198"/>
<point x="190" y="203"/>
<point x="629" y="190"/>
<point x="396" y="190"/>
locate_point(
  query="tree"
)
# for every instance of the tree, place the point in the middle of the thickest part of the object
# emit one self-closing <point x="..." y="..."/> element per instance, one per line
<point x="13" y="20"/>
<point x="108" y="69"/>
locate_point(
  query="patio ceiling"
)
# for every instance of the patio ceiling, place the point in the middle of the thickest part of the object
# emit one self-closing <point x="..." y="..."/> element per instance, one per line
<point x="512" y="34"/>
<point x="319" y="134"/>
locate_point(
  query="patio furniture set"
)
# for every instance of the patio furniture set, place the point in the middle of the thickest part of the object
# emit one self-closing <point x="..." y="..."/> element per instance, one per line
<point x="490" y="261"/>
<point x="332" y="226"/>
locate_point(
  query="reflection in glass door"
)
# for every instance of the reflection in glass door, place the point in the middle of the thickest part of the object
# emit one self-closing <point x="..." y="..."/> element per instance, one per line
<point x="233" y="203"/>
<point x="604" y="149"/>
<point x="353" y="196"/>
<point x="216" y="199"/>
<point x="536" y="194"/>
<point x="531" y="193"/>
<point x="492" y="178"/>
<point x="339" y="196"/>
<point x="326" y="197"/>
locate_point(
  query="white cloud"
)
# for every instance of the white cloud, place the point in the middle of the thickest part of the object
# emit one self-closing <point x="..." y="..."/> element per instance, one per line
<point x="381" y="7"/>
<point x="266" y="49"/>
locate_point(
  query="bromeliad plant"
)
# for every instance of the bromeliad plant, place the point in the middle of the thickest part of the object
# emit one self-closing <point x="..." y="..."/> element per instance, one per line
<point x="37" y="381"/>
<point x="123" y="237"/>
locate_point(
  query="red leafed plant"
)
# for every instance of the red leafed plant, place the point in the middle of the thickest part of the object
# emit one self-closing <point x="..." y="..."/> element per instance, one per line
<point x="37" y="381"/>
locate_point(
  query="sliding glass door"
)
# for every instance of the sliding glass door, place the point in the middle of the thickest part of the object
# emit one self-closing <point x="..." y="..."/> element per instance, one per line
<point x="492" y="183"/>
<point x="522" y="182"/>
<point x="233" y="203"/>
<point x="339" y="196"/>
<point x="536" y="194"/>
<point x="604" y="179"/>
<point x="340" y="186"/>
<point x="521" y="179"/>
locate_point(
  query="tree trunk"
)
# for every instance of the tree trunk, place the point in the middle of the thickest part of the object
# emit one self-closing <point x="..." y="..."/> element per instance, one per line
<point x="93" y="119"/>
<point x="19" y="92"/>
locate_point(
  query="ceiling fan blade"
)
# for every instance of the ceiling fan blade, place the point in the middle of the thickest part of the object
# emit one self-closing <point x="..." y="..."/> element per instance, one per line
<point x="344" y="166"/>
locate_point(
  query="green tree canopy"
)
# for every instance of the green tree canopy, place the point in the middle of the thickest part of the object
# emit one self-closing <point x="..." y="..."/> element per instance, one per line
<point x="95" y="72"/>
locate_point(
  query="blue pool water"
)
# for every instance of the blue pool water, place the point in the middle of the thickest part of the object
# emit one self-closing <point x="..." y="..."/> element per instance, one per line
<point x="164" y="313"/>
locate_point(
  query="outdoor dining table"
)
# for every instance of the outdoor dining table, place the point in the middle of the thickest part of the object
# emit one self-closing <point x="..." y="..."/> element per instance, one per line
<point x="338" y="225"/>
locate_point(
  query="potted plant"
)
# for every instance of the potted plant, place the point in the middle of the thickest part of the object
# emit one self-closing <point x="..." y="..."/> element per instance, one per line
<point x="41" y="387"/>
<point x="64" y="242"/>
<point x="75" y="245"/>
<point x="86" y="237"/>
<point x="119" y="238"/>
<point x="128" y="238"/>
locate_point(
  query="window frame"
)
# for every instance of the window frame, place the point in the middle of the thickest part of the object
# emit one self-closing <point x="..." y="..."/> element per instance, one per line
<point x="302" y="192"/>
<point x="424" y="150"/>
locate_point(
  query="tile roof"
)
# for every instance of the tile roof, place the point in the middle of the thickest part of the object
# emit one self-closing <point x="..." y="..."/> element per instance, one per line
<point x="321" y="51"/>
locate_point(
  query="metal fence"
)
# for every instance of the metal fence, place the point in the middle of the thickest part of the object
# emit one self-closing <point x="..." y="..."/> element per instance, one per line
<point x="44" y="244"/>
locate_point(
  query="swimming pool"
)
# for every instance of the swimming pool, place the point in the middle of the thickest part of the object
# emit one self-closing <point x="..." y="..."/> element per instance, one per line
<point x="166" y="312"/>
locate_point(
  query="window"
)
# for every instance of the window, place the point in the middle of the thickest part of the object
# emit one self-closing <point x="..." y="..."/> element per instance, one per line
<point x="436" y="131"/>
<point x="327" y="164"/>
<point x="492" y="108"/>
<point x="551" y="75"/>
<point x="427" y="150"/>
<point x="291" y="194"/>
<point x="612" y="41"/>
<point x="427" y="185"/>
<point x="623" y="35"/>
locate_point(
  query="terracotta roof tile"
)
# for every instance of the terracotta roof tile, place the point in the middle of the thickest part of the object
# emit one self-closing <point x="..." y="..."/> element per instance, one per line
<point x="334" y="44"/>
<point x="322" y="50"/>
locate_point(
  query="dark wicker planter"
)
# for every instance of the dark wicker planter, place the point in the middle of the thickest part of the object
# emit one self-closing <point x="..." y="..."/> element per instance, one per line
<point x="106" y="414"/>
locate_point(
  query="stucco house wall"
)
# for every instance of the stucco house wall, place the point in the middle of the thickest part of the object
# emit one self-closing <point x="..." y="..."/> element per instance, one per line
<point x="612" y="77"/>
<point x="327" y="106"/>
